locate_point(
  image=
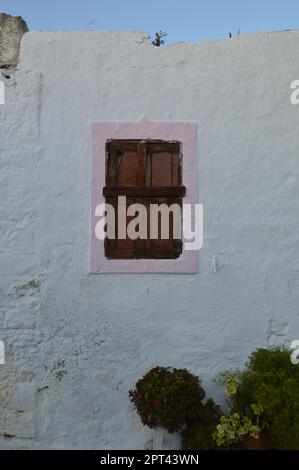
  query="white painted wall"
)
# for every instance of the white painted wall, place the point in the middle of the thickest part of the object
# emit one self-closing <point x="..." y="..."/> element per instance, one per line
<point x="75" y="343"/>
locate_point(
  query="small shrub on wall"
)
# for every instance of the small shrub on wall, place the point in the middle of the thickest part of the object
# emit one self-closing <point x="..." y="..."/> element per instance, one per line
<point x="167" y="398"/>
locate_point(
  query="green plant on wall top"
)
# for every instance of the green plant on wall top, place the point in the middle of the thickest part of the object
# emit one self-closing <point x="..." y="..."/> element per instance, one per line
<point x="159" y="39"/>
<point x="167" y="398"/>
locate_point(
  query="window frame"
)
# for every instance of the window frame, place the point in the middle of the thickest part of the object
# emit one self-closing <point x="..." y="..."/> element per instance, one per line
<point x="186" y="134"/>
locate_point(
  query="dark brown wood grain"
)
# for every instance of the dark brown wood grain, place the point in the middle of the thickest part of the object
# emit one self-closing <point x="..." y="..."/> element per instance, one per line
<point x="146" y="172"/>
<point x="146" y="191"/>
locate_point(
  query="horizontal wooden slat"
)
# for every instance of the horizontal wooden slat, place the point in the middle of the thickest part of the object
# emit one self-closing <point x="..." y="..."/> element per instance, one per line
<point x="146" y="191"/>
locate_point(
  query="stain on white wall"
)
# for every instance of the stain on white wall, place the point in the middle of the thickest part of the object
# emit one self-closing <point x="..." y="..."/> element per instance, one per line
<point x="75" y="342"/>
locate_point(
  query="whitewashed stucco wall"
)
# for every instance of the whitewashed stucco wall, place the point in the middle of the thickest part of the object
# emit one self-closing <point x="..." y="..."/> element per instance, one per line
<point x="75" y="342"/>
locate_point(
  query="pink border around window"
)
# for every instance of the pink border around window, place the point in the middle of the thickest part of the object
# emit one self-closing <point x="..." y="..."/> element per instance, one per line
<point x="186" y="133"/>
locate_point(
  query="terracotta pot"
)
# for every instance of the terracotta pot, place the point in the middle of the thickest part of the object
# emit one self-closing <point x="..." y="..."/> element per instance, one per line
<point x="250" y="443"/>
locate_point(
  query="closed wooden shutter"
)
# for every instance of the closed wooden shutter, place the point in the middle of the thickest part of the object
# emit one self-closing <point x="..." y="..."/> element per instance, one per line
<point x="146" y="172"/>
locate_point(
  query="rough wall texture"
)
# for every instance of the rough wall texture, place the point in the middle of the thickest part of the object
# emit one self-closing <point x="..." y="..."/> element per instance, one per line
<point x="75" y="342"/>
<point x="12" y="29"/>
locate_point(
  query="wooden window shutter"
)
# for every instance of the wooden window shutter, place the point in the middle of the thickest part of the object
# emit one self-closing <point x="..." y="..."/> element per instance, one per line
<point x="146" y="172"/>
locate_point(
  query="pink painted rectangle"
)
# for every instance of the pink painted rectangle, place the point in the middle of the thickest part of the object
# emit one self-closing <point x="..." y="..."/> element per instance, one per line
<point x="186" y="133"/>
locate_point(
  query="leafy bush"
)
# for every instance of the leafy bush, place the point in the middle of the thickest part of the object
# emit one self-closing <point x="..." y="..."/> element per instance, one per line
<point x="241" y="422"/>
<point x="233" y="428"/>
<point x="198" y="434"/>
<point x="167" y="398"/>
<point x="271" y="380"/>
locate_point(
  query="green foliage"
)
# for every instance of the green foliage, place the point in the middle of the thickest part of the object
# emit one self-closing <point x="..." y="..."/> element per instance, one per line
<point x="233" y="428"/>
<point x="168" y="398"/>
<point x="159" y="41"/>
<point x="272" y="381"/>
<point x="241" y="421"/>
<point x="199" y="437"/>
<point x="263" y="401"/>
<point x="198" y="434"/>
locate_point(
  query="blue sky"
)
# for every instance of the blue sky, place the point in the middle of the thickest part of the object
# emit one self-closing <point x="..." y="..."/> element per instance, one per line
<point x="183" y="20"/>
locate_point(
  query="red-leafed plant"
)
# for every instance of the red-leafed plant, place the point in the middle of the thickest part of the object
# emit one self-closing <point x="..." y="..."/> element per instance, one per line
<point x="167" y="398"/>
